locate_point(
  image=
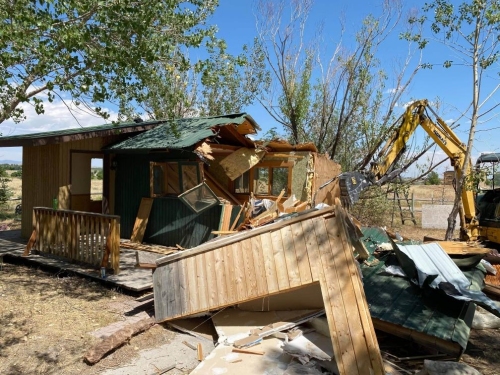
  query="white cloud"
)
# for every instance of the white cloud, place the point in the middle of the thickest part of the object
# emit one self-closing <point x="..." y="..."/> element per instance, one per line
<point x="57" y="116"/>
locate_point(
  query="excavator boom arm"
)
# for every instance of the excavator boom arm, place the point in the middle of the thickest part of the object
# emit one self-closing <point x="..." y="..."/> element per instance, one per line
<point x="352" y="183"/>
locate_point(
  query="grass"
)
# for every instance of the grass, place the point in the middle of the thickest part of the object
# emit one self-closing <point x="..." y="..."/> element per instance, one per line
<point x="46" y="320"/>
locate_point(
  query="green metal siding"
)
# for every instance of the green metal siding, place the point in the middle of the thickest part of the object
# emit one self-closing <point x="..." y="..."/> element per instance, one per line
<point x="171" y="222"/>
<point x="396" y="300"/>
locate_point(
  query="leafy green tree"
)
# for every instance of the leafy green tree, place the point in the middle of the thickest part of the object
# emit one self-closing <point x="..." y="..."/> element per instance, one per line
<point x="432" y="178"/>
<point x="220" y="84"/>
<point x="18" y="173"/>
<point x="5" y="191"/>
<point x="92" y="51"/>
<point x="470" y="31"/>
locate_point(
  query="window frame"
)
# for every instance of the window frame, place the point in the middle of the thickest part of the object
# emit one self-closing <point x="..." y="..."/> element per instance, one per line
<point x="180" y="182"/>
<point x="270" y="165"/>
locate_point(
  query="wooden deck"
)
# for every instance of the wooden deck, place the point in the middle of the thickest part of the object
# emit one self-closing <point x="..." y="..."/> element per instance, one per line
<point x="129" y="278"/>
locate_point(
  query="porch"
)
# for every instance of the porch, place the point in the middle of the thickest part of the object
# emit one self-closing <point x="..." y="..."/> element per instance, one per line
<point x="12" y="246"/>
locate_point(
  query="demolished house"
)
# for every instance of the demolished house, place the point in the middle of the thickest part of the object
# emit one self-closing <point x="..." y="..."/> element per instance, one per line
<point x="260" y="243"/>
<point x="163" y="183"/>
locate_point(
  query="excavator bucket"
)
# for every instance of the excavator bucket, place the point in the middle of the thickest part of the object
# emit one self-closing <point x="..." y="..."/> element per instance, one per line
<point x="351" y="186"/>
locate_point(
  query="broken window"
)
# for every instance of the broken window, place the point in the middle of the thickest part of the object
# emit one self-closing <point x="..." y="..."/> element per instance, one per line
<point x="199" y="198"/>
<point x="261" y="181"/>
<point x="173" y="178"/>
<point x="270" y="180"/>
<point x="242" y="184"/>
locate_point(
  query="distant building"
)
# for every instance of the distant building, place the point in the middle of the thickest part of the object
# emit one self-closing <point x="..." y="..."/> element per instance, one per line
<point x="448" y="177"/>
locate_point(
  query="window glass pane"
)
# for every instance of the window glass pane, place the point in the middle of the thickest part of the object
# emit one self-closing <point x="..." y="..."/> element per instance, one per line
<point x="199" y="198"/>
<point x="241" y="184"/>
<point x="261" y="181"/>
<point x="280" y="181"/>
<point x="172" y="177"/>
<point x="157" y="180"/>
<point x="189" y="176"/>
<point x="96" y="185"/>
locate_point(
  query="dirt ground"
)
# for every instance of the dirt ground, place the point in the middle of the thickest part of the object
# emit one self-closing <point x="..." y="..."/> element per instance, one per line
<point x="46" y="320"/>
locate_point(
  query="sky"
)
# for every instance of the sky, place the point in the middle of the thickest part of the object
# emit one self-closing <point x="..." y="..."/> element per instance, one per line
<point x="236" y="24"/>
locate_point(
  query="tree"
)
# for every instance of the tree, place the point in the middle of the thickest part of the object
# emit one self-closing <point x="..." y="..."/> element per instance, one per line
<point x="470" y="30"/>
<point x="219" y="84"/>
<point x="341" y="103"/>
<point x="432" y="178"/>
<point x="92" y="51"/>
<point x="5" y="191"/>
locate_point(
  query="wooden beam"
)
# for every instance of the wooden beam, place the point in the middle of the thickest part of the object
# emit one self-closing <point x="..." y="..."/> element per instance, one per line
<point x="30" y="244"/>
<point x="211" y="180"/>
<point x="141" y="220"/>
<point x="461" y="248"/>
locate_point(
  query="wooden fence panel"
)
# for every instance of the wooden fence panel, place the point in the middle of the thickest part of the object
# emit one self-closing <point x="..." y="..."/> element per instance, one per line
<point x="79" y="236"/>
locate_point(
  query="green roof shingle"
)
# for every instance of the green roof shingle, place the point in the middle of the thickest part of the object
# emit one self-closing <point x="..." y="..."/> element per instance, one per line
<point x="181" y="133"/>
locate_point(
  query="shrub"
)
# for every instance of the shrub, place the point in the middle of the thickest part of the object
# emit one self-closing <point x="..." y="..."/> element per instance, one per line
<point x="373" y="207"/>
<point x="5" y="191"/>
<point x="432" y="178"/>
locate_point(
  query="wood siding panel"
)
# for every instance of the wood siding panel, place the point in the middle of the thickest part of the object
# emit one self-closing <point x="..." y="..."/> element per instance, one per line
<point x="290" y="257"/>
<point x="281" y="257"/>
<point x="279" y="261"/>
<point x="324" y="170"/>
<point x="269" y="264"/>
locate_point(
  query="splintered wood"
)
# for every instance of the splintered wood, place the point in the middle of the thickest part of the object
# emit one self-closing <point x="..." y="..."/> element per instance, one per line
<point x="311" y="248"/>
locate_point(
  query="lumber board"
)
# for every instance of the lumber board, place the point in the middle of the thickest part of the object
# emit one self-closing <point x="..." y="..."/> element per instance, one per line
<point x="312" y="246"/>
<point x="220" y="276"/>
<point x="201" y="281"/>
<point x="461" y="248"/>
<point x="239" y="272"/>
<point x="290" y="257"/>
<point x="211" y="279"/>
<point x="249" y="267"/>
<point x="270" y="267"/>
<point x="279" y="260"/>
<point x="193" y="304"/>
<point x="183" y="286"/>
<point x="229" y="274"/>
<point x="141" y="220"/>
<point x="301" y="252"/>
<point x="259" y="266"/>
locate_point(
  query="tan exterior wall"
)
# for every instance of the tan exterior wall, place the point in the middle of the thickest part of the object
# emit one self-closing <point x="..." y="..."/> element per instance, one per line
<point x="47" y="175"/>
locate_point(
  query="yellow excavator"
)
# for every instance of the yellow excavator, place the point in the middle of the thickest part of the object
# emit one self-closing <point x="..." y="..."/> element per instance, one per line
<point x="481" y="223"/>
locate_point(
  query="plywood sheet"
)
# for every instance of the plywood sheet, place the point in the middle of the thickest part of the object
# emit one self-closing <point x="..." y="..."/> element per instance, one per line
<point x="141" y="222"/>
<point x="241" y="161"/>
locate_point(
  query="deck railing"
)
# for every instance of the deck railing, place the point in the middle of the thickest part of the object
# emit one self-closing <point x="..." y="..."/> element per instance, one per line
<point x="84" y="237"/>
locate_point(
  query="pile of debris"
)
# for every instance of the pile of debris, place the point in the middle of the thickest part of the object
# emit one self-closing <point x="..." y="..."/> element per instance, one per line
<point x="304" y="294"/>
